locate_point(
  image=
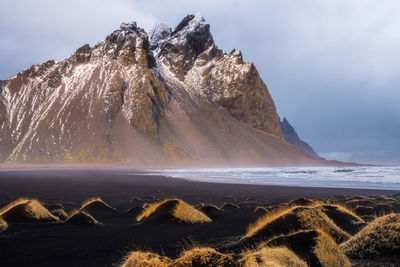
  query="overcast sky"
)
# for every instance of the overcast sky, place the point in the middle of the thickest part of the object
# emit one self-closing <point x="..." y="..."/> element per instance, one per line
<point x="332" y="67"/>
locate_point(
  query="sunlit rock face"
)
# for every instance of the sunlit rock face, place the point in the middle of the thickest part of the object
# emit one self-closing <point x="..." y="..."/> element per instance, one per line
<point x="173" y="97"/>
<point x="190" y="53"/>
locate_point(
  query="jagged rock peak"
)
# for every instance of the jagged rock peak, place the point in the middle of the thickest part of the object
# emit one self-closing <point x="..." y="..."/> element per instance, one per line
<point x="290" y="135"/>
<point x="129" y="43"/>
<point x="159" y="34"/>
<point x="181" y="49"/>
<point x="195" y="30"/>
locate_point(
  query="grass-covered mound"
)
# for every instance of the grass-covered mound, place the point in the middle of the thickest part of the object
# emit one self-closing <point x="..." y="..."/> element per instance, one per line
<point x="260" y="211"/>
<point x="26" y="210"/>
<point x="96" y="205"/>
<point x="203" y="257"/>
<point x="289" y="220"/>
<point x="380" y="237"/>
<point x="172" y="209"/>
<point x="271" y="257"/>
<point x="229" y="207"/>
<point x="192" y="257"/>
<point x="316" y="247"/>
<point x="145" y="259"/>
<point x="3" y="225"/>
<point x="81" y="218"/>
<point x="210" y="210"/>
<point x="135" y="211"/>
<point x="303" y="202"/>
<point x="343" y="218"/>
<point x="60" y="213"/>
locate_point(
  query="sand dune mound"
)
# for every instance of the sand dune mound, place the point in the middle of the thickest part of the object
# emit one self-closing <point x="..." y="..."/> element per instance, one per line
<point x="260" y="211"/>
<point x="26" y="210"/>
<point x="145" y="259"/>
<point x="380" y="237"/>
<point x="343" y="218"/>
<point x="363" y="210"/>
<point x="171" y="210"/>
<point x="211" y="211"/>
<point x="229" y="207"/>
<point x="316" y="247"/>
<point x="271" y="257"/>
<point x="303" y="202"/>
<point x="198" y="257"/>
<point x="378" y="209"/>
<point x="290" y="220"/>
<point x="360" y="202"/>
<point x="96" y="205"/>
<point x="381" y="209"/>
<point x="135" y="211"/>
<point x="52" y="207"/>
<point x="60" y="213"/>
<point x="81" y="218"/>
<point x="193" y="257"/>
<point x="3" y="225"/>
<point x="204" y="257"/>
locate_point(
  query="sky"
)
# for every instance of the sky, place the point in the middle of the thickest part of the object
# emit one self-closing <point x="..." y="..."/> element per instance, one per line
<point x="332" y="67"/>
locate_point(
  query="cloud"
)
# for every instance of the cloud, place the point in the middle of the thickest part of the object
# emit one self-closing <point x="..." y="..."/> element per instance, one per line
<point x="35" y="31"/>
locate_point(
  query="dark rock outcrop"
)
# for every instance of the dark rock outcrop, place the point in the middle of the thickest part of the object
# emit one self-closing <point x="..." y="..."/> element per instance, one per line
<point x="291" y="136"/>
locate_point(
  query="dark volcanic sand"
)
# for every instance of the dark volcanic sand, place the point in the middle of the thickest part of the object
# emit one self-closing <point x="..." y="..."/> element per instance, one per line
<point x="67" y="245"/>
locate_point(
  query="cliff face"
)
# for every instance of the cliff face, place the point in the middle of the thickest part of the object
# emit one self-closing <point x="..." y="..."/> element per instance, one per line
<point x="172" y="98"/>
<point x="291" y="136"/>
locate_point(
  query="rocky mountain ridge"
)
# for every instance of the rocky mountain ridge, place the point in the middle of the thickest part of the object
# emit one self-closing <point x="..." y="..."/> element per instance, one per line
<point x="172" y="98"/>
<point x="290" y="135"/>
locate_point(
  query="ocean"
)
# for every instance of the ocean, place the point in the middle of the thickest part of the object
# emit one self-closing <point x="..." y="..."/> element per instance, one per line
<point x="371" y="177"/>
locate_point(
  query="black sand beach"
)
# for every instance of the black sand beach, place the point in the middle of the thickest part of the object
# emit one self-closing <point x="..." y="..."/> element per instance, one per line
<point x="59" y="244"/>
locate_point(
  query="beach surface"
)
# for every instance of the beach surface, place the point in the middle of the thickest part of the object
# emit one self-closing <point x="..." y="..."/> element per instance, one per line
<point x="125" y="189"/>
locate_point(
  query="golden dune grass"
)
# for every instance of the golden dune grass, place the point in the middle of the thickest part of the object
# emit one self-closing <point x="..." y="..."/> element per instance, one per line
<point x="210" y="210"/>
<point x="145" y="259"/>
<point x="95" y="204"/>
<point x="229" y="206"/>
<point x="292" y="219"/>
<point x="174" y="208"/>
<point x="380" y="237"/>
<point x="271" y="257"/>
<point x="203" y="257"/>
<point x="3" y="225"/>
<point x="196" y="256"/>
<point x="83" y="218"/>
<point x="343" y="217"/>
<point x="60" y="213"/>
<point x="260" y="209"/>
<point x="315" y="246"/>
<point x="26" y="209"/>
<point x="329" y="253"/>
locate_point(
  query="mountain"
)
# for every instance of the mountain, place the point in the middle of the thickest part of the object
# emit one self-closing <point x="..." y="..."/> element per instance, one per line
<point x="172" y="98"/>
<point x="291" y="136"/>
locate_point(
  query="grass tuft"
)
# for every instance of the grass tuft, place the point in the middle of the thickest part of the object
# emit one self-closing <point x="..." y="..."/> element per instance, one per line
<point x="96" y="204"/>
<point x="380" y="237"/>
<point x="145" y="259"/>
<point x="173" y="209"/>
<point x="81" y="218"/>
<point x="23" y="210"/>
<point x="271" y="257"/>
<point x="3" y="225"/>
<point x="289" y="220"/>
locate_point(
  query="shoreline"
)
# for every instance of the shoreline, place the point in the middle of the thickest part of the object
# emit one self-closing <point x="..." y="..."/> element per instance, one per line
<point x="121" y="184"/>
